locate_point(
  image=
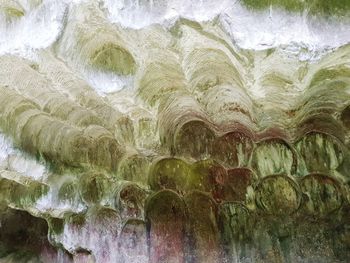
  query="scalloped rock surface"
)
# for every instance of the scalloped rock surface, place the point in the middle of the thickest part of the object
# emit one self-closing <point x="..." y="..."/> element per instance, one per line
<point x="168" y="141"/>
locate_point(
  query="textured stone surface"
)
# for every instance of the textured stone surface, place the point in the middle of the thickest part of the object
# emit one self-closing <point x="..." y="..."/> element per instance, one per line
<point x="170" y="142"/>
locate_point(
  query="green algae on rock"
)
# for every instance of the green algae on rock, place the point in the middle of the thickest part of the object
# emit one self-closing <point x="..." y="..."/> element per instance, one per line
<point x="235" y="224"/>
<point x="321" y="152"/>
<point x="22" y="196"/>
<point x="168" y="141"/>
<point x="317" y="7"/>
<point x="274" y="156"/>
<point x="11" y="9"/>
<point x="90" y="39"/>
<point x="324" y="195"/>
<point x="278" y="195"/>
<point x="169" y="173"/>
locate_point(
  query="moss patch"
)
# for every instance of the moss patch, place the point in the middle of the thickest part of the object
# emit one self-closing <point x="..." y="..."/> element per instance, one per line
<point x="323" y="7"/>
<point x="113" y="58"/>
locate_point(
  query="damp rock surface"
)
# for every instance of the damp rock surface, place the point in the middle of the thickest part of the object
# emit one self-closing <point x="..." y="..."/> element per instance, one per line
<point x="174" y="131"/>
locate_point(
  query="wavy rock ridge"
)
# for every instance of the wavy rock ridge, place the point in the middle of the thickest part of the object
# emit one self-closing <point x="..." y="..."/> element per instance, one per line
<point x="212" y="153"/>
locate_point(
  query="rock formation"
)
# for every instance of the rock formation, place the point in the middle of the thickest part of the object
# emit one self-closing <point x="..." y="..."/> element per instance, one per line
<point x="212" y="153"/>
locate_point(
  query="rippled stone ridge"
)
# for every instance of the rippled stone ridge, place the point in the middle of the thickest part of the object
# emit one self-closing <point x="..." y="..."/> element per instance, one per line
<point x="170" y="143"/>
